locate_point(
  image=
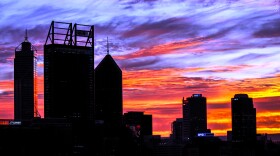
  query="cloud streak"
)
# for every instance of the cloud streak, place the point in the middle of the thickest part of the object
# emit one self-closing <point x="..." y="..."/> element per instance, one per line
<point x="166" y="49"/>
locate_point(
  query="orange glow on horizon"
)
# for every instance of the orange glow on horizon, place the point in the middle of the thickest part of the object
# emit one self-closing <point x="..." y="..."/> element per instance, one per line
<point x="144" y="90"/>
<point x="162" y="133"/>
<point x="160" y="93"/>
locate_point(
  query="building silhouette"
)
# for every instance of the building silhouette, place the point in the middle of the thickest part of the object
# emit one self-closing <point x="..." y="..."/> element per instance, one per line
<point x="243" y="118"/>
<point x="139" y="123"/>
<point x="69" y="72"/>
<point x="108" y="93"/>
<point x="194" y="116"/>
<point x="177" y="131"/>
<point x="25" y="88"/>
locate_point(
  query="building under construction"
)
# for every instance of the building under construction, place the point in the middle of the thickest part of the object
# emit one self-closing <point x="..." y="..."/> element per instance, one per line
<point x="69" y="71"/>
<point x="25" y="82"/>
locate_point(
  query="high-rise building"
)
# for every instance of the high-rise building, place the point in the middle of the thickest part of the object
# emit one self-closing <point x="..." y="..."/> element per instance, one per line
<point x="243" y="118"/>
<point x="194" y="116"/>
<point x="177" y="130"/>
<point x="25" y="90"/>
<point x="69" y="71"/>
<point x="139" y="123"/>
<point x="108" y="93"/>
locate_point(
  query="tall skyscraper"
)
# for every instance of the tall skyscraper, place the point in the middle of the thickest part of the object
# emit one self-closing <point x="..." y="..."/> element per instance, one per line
<point x="25" y="90"/>
<point x="243" y="118"/>
<point x="194" y="116"/>
<point x="69" y="71"/>
<point x="108" y="91"/>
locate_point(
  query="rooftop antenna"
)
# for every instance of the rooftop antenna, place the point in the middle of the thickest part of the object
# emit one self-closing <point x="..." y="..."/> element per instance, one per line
<point x="107" y="46"/>
<point x="26" y="37"/>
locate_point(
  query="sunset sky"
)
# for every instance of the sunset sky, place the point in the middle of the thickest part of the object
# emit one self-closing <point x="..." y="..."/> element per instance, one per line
<point x="167" y="50"/>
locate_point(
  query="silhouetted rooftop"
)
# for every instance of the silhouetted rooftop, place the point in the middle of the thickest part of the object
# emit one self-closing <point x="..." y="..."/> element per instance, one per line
<point x="241" y="96"/>
<point x="108" y="62"/>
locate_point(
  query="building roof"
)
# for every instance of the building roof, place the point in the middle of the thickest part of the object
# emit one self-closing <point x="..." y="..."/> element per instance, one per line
<point x="108" y="63"/>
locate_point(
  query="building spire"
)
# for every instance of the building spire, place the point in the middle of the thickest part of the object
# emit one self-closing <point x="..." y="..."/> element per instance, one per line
<point x="107" y="46"/>
<point x="26" y="37"/>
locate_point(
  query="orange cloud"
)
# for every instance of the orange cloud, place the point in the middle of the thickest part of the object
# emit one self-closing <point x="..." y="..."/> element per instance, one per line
<point x="166" y="48"/>
<point x="6" y="99"/>
<point x="159" y="92"/>
<point x="164" y="89"/>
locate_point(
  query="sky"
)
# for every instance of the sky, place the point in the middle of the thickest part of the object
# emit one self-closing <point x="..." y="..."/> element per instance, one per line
<point x="167" y="50"/>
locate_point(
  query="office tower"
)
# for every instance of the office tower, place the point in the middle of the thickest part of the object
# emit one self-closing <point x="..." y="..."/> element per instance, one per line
<point x="177" y="130"/>
<point x="139" y="123"/>
<point x="69" y="71"/>
<point x="194" y="116"/>
<point x="108" y="93"/>
<point x="243" y="118"/>
<point x="25" y="90"/>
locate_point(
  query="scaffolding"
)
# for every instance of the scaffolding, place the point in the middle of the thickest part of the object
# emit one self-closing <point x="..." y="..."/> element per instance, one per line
<point x="69" y="34"/>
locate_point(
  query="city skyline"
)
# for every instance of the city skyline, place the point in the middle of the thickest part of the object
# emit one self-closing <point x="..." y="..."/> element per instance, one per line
<point x="166" y="50"/>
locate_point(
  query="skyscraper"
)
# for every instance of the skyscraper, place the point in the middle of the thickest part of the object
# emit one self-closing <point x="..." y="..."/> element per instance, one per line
<point x="108" y="91"/>
<point x="69" y="71"/>
<point x="243" y="118"/>
<point x="194" y="116"/>
<point x="25" y="94"/>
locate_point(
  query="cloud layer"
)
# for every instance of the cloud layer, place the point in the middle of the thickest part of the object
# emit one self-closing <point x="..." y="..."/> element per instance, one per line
<point x="167" y="50"/>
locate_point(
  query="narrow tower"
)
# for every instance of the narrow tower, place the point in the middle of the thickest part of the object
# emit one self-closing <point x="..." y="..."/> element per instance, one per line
<point x="108" y="91"/>
<point x="25" y="88"/>
<point x="243" y="118"/>
<point x="194" y="116"/>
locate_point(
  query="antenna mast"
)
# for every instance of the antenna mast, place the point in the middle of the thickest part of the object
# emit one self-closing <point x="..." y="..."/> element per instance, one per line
<point x="26" y="37"/>
<point x="107" y="46"/>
